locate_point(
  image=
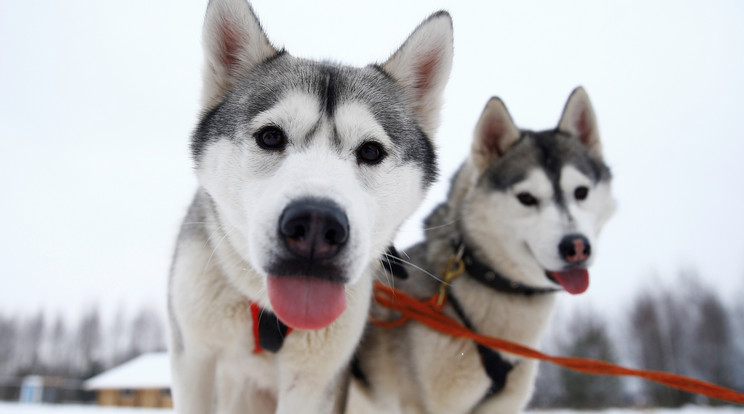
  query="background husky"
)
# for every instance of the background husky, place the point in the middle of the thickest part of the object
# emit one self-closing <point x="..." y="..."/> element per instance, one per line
<point x="306" y="169"/>
<point x="524" y="211"/>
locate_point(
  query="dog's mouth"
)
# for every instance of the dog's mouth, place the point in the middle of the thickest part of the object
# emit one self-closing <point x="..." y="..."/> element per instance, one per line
<point x="304" y="302"/>
<point x="573" y="280"/>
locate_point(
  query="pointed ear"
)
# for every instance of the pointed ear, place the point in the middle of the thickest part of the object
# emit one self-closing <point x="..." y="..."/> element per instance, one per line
<point x="578" y="120"/>
<point x="494" y="134"/>
<point x="234" y="42"/>
<point x="422" y="66"/>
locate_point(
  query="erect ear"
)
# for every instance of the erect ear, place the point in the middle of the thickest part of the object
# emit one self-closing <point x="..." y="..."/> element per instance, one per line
<point x="234" y="42"/>
<point x="422" y="66"/>
<point x="578" y="120"/>
<point x="494" y="134"/>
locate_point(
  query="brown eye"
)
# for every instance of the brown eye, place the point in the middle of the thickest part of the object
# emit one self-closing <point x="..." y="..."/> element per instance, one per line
<point x="527" y="199"/>
<point x="581" y="192"/>
<point x="370" y="153"/>
<point x="271" y="138"/>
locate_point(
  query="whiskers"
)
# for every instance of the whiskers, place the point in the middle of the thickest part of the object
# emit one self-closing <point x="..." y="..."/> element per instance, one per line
<point x="216" y="246"/>
<point x="444" y="225"/>
<point x="387" y="258"/>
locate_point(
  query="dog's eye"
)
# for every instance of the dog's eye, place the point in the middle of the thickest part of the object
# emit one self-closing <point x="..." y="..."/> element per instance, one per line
<point x="370" y="153"/>
<point x="581" y="193"/>
<point x="527" y="199"/>
<point x="271" y="138"/>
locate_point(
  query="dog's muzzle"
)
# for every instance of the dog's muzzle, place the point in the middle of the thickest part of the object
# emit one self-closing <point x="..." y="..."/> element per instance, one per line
<point x="306" y="285"/>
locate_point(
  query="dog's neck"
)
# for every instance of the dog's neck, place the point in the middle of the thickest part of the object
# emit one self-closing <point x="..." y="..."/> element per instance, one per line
<point x="446" y="228"/>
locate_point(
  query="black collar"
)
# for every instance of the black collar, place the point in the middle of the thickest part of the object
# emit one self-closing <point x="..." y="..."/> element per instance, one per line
<point x="493" y="279"/>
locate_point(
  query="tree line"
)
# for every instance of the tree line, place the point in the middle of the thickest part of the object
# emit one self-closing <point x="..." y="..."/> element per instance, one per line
<point x="38" y="345"/>
<point x="686" y="329"/>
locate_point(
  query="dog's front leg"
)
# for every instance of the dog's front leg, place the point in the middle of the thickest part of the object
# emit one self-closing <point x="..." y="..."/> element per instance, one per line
<point x="516" y="393"/>
<point x="313" y="394"/>
<point x="313" y="365"/>
<point x="193" y="372"/>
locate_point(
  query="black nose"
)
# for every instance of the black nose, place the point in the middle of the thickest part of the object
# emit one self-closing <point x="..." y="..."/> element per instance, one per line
<point x="575" y="248"/>
<point x="314" y="229"/>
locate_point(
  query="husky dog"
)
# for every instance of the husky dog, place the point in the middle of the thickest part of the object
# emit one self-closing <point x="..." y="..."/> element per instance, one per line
<point x="306" y="169"/>
<point x="523" y="215"/>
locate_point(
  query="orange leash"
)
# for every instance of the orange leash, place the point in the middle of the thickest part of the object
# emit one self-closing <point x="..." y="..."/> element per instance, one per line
<point x="429" y="314"/>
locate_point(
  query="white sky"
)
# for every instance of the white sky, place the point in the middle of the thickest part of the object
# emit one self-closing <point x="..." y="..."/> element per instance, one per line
<point x="97" y="101"/>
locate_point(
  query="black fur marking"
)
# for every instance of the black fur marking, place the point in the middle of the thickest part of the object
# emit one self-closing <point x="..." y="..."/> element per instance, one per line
<point x="203" y="133"/>
<point x="311" y="133"/>
<point x="549" y="158"/>
<point x="271" y="331"/>
<point x="291" y="267"/>
<point x="268" y="83"/>
<point x="550" y="150"/>
<point x="330" y="96"/>
<point x="358" y="373"/>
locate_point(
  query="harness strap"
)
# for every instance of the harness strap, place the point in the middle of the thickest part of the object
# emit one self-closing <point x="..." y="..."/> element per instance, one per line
<point x="427" y="314"/>
<point x="268" y="331"/>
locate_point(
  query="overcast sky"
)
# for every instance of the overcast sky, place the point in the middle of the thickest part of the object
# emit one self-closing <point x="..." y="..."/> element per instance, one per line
<point x="97" y="101"/>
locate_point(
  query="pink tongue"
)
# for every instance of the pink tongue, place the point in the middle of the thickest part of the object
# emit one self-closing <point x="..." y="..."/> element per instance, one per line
<point x="306" y="302"/>
<point x="574" y="281"/>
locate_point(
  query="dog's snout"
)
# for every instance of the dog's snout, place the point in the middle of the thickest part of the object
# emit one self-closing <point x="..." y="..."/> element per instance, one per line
<point x="314" y="229"/>
<point x="575" y="248"/>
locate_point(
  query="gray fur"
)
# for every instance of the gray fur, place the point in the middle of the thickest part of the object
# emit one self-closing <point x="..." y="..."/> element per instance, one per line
<point x="413" y="369"/>
<point x="226" y="258"/>
<point x="267" y="83"/>
<point x="550" y="150"/>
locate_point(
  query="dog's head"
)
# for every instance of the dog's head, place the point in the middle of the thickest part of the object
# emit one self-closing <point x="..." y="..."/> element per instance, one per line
<point x="312" y="166"/>
<point x="538" y="200"/>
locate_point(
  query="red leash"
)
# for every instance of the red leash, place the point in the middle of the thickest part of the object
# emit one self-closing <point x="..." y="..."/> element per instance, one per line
<point x="430" y="314"/>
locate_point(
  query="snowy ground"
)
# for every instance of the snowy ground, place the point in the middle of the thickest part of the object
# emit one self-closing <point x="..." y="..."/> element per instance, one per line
<point x="7" y="408"/>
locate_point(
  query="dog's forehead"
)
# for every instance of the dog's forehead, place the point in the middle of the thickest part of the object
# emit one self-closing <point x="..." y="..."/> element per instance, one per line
<point x="333" y="85"/>
<point x="549" y="151"/>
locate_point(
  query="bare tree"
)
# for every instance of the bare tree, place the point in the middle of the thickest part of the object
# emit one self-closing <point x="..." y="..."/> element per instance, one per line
<point x="28" y="344"/>
<point x="590" y="339"/>
<point x="8" y="345"/>
<point x="656" y="332"/>
<point x="54" y="350"/>
<point x="90" y="358"/>
<point x="148" y="332"/>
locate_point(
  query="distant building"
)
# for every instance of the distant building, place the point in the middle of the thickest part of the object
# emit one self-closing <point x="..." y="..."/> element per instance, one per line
<point x="37" y="389"/>
<point x="141" y="382"/>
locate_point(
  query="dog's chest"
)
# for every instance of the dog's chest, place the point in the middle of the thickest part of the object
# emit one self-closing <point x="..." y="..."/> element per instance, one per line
<point x="513" y="317"/>
<point x="240" y="359"/>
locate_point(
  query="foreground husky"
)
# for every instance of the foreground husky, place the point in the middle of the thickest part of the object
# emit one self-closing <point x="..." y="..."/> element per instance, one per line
<point x="306" y="169"/>
<point x="523" y="215"/>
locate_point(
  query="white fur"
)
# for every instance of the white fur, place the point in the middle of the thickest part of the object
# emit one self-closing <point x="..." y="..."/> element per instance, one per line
<point x="428" y="47"/>
<point x="249" y="46"/>
<point x="414" y="369"/>
<point x="221" y="262"/>
<point x="494" y="133"/>
<point x="579" y="120"/>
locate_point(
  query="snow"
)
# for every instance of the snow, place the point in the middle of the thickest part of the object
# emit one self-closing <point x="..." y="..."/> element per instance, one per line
<point x="11" y="408"/>
<point x="8" y="408"/>
<point x="146" y="371"/>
